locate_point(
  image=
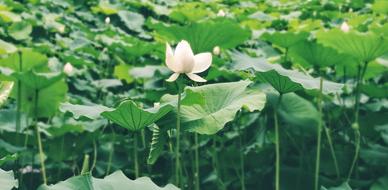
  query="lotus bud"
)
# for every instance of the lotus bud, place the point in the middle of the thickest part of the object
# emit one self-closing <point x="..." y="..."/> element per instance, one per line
<point x="107" y="20"/>
<point x="62" y="28"/>
<point x="345" y="27"/>
<point x="68" y="68"/>
<point x="216" y="50"/>
<point x="221" y="13"/>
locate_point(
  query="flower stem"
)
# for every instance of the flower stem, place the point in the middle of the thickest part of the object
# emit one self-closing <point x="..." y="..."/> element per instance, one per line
<point x="196" y="174"/>
<point x="277" y="145"/>
<point x="178" y="128"/>
<point x="319" y="136"/>
<point x="39" y="139"/>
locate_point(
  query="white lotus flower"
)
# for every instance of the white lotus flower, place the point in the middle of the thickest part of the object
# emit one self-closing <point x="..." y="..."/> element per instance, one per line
<point x="345" y="27"/>
<point x="68" y="68"/>
<point x="107" y="20"/>
<point x="221" y="13"/>
<point x="183" y="61"/>
<point x="216" y="50"/>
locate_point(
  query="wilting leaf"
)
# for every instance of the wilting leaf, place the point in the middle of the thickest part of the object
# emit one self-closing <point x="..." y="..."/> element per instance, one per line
<point x="159" y="137"/>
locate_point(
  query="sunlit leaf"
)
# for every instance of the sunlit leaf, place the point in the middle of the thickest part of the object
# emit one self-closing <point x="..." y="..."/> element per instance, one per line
<point x="206" y="109"/>
<point x="20" y="30"/>
<point x="5" y="90"/>
<point x="204" y="36"/>
<point x="7" y="181"/>
<point x="6" y="47"/>
<point x="133" y="21"/>
<point x="364" y="47"/>
<point x="89" y="111"/>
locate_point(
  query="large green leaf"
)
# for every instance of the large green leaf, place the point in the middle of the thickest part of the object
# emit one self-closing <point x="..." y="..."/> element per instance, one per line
<point x="20" y="30"/>
<point x="49" y="99"/>
<point x="364" y="47"/>
<point x="7" y="181"/>
<point x="133" y="21"/>
<point x="309" y="53"/>
<point x="89" y="111"/>
<point x="284" y="39"/>
<point x="38" y="81"/>
<point x="206" y="109"/>
<point x="6" y="47"/>
<point x="115" y="181"/>
<point x="30" y="59"/>
<point x="134" y="118"/>
<point x="5" y="90"/>
<point x="7" y="121"/>
<point x="380" y="184"/>
<point x="298" y="111"/>
<point x="344" y="186"/>
<point x="283" y="80"/>
<point x="204" y="36"/>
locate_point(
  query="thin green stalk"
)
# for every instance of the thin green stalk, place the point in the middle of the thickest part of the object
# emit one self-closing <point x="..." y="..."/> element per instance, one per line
<point x="360" y="75"/>
<point x="143" y="141"/>
<point x="216" y="164"/>
<point x="196" y="174"/>
<point x="94" y="156"/>
<point x="319" y="136"/>
<point x="19" y="96"/>
<point x="285" y="56"/>
<point x="135" y="148"/>
<point x="277" y="145"/>
<point x="330" y="141"/>
<point x="178" y="128"/>
<point x="111" y="152"/>
<point x="242" y="178"/>
<point x="41" y="153"/>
